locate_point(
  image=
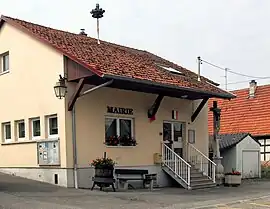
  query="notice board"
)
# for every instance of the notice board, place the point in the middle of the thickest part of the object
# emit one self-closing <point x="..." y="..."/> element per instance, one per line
<point x="48" y="152"/>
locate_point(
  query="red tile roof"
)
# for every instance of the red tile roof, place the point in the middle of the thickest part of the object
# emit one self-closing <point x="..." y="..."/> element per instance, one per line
<point x="111" y="59"/>
<point x="244" y="114"/>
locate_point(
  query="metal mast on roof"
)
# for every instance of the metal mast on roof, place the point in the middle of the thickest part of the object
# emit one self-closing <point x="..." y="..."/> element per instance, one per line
<point x="97" y="13"/>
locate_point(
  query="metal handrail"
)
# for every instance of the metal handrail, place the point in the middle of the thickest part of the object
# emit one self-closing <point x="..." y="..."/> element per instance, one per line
<point x="176" y="164"/>
<point x="208" y="169"/>
<point x="202" y="154"/>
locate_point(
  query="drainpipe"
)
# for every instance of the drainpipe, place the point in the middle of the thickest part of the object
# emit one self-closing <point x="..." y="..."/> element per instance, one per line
<point x="74" y="148"/>
<point x="73" y="115"/>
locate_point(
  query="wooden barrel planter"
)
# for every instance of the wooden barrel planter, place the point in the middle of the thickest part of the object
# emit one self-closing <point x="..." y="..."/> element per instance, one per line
<point x="104" y="172"/>
<point x="104" y="177"/>
<point x="104" y="169"/>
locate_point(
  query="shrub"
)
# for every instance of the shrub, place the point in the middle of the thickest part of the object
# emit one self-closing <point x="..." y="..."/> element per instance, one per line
<point x="103" y="162"/>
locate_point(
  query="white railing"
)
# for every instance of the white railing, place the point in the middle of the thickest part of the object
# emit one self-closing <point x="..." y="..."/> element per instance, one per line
<point x="176" y="164"/>
<point x="201" y="162"/>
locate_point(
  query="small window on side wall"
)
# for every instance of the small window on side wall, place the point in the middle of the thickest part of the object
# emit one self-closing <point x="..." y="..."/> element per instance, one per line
<point x="35" y="126"/>
<point x="52" y="126"/>
<point x="20" y="129"/>
<point x="6" y="130"/>
<point x="4" y="62"/>
<point x="119" y="132"/>
<point x="191" y="136"/>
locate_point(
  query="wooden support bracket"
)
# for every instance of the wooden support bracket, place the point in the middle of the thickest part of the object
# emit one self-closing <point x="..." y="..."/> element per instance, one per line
<point x="75" y="94"/>
<point x="198" y="110"/>
<point x="154" y="108"/>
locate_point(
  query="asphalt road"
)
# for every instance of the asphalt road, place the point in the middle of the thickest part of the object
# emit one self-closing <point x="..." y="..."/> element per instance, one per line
<point x="253" y="203"/>
<point x="19" y="193"/>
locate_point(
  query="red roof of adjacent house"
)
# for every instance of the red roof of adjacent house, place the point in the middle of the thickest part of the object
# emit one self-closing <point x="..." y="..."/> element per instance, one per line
<point x="244" y="114"/>
<point x="111" y="59"/>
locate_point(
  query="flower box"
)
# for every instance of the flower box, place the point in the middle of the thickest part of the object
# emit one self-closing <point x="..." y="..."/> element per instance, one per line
<point x="120" y="141"/>
<point x="233" y="178"/>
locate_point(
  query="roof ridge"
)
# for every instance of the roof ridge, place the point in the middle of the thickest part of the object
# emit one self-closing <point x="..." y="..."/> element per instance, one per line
<point x="44" y="26"/>
<point x="93" y="66"/>
<point x="73" y="33"/>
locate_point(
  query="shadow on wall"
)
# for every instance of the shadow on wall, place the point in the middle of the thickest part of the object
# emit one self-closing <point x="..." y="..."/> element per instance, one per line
<point x="163" y="179"/>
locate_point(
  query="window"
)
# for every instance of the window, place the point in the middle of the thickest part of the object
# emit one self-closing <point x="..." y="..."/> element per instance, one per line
<point x="267" y="157"/>
<point x="6" y="132"/>
<point x="119" y="132"/>
<point x="265" y="149"/>
<point x="21" y="129"/>
<point x="170" y="69"/>
<point x="262" y="141"/>
<point x="36" y="128"/>
<point x="52" y="126"/>
<point x="4" y="62"/>
<point x="191" y="136"/>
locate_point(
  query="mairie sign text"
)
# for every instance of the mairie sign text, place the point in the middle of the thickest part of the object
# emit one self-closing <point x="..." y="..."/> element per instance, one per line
<point x="120" y="110"/>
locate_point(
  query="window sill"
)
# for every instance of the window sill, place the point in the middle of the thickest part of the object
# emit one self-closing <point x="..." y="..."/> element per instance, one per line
<point x="3" y="73"/>
<point x="19" y="142"/>
<point x="120" y="146"/>
<point x="21" y="139"/>
<point x="53" y="137"/>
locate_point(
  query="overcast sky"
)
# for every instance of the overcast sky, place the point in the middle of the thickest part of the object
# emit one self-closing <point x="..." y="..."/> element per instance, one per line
<point x="234" y="33"/>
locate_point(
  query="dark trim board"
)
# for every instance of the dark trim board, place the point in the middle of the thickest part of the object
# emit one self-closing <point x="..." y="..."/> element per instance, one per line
<point x="198" y="110"/>
<point x="266" y="136"/>
<point x="170" y="88"/>
<point x="154" y="88"/>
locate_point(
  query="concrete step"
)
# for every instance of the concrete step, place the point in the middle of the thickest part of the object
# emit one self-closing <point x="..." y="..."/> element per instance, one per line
<point x="200" y="181"/>
<point x="196" y="175"/>
<point x="197" y="179"/>
<point x="203" y="186"/>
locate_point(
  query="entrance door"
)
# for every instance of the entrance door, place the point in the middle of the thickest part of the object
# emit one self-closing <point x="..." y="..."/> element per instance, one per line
<point x="173" y="136"/>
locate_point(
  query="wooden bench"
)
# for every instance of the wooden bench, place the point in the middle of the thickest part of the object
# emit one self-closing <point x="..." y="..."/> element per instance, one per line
<point x="125" y="175"/>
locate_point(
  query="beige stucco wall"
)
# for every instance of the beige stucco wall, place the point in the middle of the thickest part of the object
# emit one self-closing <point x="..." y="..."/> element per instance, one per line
<point x="90" y="122"/>
<point x="34" y="69"/>
<point x="27" y="92"/>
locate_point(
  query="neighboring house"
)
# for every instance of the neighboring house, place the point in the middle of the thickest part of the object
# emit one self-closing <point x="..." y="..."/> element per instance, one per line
<point x="247" y="113"/>
<point x="123" y="92"/>
<point x="240" y="152"/>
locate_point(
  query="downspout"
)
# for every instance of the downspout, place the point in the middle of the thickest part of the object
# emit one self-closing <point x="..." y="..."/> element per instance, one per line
<point x="73" y="115"/>
<point x="75" y="164"/>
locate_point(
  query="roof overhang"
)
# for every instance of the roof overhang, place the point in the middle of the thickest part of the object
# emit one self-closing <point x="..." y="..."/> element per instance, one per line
<point x="146" y="86"/>
<point x="132" y="84"/>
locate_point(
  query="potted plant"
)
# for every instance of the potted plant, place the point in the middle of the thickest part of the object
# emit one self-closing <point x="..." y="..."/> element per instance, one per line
<point x="233" y="178"/>
<point x="104" y="168"/>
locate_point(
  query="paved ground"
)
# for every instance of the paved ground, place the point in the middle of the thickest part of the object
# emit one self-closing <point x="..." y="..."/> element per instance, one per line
<point x="25" y="194"/>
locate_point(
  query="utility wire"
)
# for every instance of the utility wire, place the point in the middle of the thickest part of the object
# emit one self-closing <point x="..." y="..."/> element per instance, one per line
<point x="231" y="71"/>
<point x="244" y="81"/>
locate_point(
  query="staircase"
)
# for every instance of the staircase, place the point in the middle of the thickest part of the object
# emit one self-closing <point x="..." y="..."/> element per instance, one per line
<point x="197" y="173"/>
